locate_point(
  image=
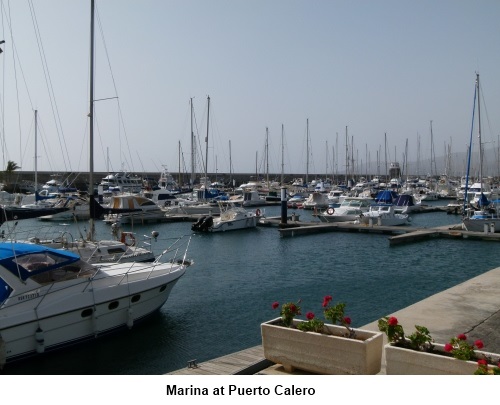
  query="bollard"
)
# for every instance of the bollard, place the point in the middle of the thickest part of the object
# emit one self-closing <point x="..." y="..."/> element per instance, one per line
<point x="486" y="228"/>
<point x="283" y="205"/>
<point x="492" y="227"/>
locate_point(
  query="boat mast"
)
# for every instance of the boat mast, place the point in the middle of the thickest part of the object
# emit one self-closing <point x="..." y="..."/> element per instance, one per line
<point x="206" y="146"/>
<point x="192" y="145"/>
<point x="433" y="155"/>
<point x="267" y="156"/>
<point x="180" y="180"/>
<point x="307" y="151"/>
<point x="346" y="157"/>
<point x="336" y="153"/>
<point x="282" y="155"/>
<point x="326" y="160"/>
<point x="385" y="151"/>
<point x="36" y="148"/>
<point x="230" y="166"/>
<point x="90" y="235"/>
<point x="479" y="135"/>
<point x="256" y="165"/>
<point x="469" y="149"/>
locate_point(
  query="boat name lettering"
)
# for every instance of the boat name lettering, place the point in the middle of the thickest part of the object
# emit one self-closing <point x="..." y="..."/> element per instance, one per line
<point x="28" y="296"/>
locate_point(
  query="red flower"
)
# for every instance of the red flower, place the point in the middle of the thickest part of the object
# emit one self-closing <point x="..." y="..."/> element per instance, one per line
<point x="326" y="300"/>
<point x="448" y="347"/>
<point x="482" y="362"/>
<point x="347" y="320"/>
<point x="310" y="315"/>
<point x="393" y="321"/>
<point x="479" y="344"/>
<point x="276" y="304"/>
<point x="462" y="337"/>
<point x="293" y="308"/>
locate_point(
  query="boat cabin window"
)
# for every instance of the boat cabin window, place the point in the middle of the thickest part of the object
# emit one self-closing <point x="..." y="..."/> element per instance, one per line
<point x="143" y="204"/>
<point x="116" y="250"/>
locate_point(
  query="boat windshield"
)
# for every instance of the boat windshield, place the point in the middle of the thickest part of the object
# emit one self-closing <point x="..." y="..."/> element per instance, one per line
<point x="46" y="268"/>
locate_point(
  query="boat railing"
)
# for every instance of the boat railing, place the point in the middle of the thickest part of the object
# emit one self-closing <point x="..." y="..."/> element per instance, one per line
<point x="172" y="254"/>
<point x="41" y="234"/>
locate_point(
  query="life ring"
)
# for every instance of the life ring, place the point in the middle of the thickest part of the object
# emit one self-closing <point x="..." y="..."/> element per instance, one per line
<point x="330" y="211"/>
<point x="128" y="238"/>
<point x="257" y="212"/>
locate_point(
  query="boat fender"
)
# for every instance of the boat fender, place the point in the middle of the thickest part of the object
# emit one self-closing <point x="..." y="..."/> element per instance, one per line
<point x="128" y="238"/>
<point x="330" y="211"/>
<point x="39" y="341"/>
<point x="257" y="212"/>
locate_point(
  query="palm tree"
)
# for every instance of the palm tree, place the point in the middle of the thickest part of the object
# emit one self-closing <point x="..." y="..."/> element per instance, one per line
<point x="11" y="167"/>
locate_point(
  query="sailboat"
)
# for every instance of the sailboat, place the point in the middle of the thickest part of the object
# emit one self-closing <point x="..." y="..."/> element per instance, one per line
<point x="486" y="216"/>
<point x="51" y="298"/>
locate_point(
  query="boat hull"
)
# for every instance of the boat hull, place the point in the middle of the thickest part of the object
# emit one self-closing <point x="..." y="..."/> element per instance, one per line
<point x="482" y="225"/>
<point x="93" y="309"/>
<point x="223" y="226"/>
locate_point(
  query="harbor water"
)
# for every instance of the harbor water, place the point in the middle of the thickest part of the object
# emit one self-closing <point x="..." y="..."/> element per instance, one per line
<point x="219" y="304"/>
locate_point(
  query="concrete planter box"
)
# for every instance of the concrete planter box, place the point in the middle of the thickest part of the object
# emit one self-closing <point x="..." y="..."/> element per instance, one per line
<point x="401" y="361"/>
<point x="322" y="353"/>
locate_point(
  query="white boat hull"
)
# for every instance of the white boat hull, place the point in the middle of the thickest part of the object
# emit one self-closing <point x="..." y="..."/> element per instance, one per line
<point x="223" y="226"/>
<point x="380" y="220"/>
<point x="338" y="218"/>
<point x="92" y="309"/>
<point x="482" y="225"/>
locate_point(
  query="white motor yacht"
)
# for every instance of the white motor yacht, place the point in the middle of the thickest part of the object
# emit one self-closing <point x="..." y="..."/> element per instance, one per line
<point x="50" y="298"/>
<point x="231" y="218"/>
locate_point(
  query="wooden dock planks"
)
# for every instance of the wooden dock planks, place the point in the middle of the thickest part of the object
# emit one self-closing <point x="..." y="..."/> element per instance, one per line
<point x="234" y="363"/>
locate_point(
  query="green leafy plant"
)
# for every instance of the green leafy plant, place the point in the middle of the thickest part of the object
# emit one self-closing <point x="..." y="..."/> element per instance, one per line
<point x="461" y="349"/>
<point x="288" y="311"/>
<point x="312" y="324"/>
<point x="336" y="315"/>
<point x="419" y="340"/>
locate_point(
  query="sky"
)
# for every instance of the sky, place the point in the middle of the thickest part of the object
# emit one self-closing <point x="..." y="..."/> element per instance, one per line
<point x="393" y="79"/>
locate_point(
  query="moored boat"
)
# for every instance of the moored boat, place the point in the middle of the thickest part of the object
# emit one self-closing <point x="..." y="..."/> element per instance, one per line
<point x="50" y="298"/>
<point x="231" y="218"/>
<point x="383" y="215"/>
<point x="132" y="208"/>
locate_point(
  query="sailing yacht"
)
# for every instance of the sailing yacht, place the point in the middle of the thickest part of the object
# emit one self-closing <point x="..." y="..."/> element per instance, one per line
<point x="485" y="217"/>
